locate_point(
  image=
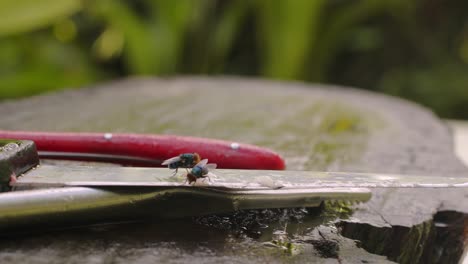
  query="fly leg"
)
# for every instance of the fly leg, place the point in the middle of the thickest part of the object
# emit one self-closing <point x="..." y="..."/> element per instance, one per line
<point x="13" y="179"/>
<point x="206" y="177"/>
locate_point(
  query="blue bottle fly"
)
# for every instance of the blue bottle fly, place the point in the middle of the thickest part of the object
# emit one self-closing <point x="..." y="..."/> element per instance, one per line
<point x="201" y="170"/>
<point x="185" y="160"/>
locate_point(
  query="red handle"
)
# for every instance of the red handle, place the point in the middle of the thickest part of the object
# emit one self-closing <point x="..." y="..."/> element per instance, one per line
<point x="152" y="147"/>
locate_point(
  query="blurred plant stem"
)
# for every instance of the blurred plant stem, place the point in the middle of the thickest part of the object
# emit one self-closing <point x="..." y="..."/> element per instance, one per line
<point x="288" y="32"/>
<point x="21" y="16"/>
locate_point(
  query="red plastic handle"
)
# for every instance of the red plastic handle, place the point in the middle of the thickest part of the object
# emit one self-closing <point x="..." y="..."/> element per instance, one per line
<point x="149" y="147"/>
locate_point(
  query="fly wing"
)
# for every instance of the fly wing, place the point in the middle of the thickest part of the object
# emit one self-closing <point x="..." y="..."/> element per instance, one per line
<point x="211" y="166"/>
<point x="171" y="160"/>
<point x="211" y="175"/>
<point x="202" y="163"/>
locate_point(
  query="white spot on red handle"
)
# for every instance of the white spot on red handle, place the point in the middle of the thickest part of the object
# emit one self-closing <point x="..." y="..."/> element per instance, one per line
<point x="234" y="145"/>
<point x="108" y="136"/>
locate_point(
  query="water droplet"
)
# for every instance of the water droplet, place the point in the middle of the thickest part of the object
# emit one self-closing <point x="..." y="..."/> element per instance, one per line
<point x="440" y="224"/>
<point x="267" y="181"/>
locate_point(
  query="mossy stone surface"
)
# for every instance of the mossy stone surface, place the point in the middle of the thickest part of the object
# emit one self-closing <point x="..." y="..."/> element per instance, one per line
<point x="16" y="157"/>
<point x="315" y="127"/>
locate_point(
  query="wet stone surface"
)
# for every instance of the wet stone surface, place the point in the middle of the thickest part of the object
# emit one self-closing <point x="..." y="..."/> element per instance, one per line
<point x="314" y="127"/>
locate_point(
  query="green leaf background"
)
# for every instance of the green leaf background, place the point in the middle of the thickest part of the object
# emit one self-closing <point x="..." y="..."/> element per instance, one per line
<point x="416" y="49"/>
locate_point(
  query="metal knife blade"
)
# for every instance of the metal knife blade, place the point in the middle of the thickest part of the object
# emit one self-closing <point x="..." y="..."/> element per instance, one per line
<point x="56" y="176"/>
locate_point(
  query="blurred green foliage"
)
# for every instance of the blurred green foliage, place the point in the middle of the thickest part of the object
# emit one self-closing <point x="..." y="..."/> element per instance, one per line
<point x="417" y="49"/>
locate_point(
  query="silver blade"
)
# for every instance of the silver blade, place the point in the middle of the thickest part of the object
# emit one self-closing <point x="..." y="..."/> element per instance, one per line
<point x="68" y="195"/>
<point x="116" y="193"/>
<point x="57" y="176"/>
